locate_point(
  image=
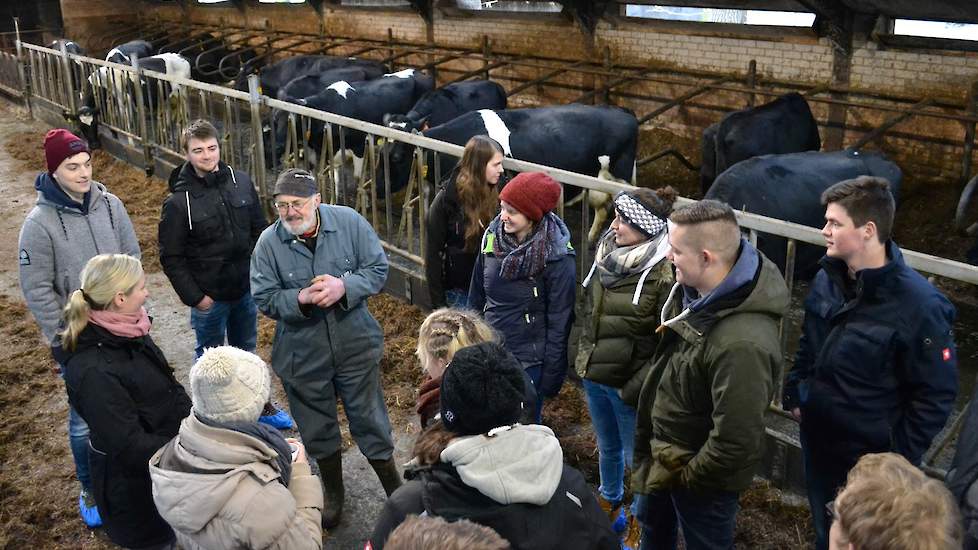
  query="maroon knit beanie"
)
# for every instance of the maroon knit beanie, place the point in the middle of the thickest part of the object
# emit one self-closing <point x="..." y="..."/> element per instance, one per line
<point x="532" y="193"/>
<point x="60" y="144"/>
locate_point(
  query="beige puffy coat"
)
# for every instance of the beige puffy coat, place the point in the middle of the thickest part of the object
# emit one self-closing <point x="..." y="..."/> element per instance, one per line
<point x="220" y="489"/>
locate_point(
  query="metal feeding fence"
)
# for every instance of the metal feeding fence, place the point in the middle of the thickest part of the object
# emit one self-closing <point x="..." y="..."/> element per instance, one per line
<point x="149" y="109"/>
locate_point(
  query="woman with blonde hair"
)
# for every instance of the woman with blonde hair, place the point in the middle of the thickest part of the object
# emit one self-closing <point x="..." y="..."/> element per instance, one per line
<point x="121" y="384"/>
<point x="442" y="334"/>
<point x="467" y="201"/>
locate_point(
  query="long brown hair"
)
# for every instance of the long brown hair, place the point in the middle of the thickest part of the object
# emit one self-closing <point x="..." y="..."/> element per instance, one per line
<point x="479" y="200"/>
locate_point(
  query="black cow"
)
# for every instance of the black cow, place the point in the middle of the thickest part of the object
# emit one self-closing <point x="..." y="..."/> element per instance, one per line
<point x="366" y="100"/>
<point x="278" y="74"/>
<point x="70" y="46"/>
<point x="125" y="53"/>
<point x="785" y="125"/>
<point x="312" y="84"/>
<point x="789" y="187"/>
<point x="439" y="106"/>
<point x="571" y="137"/>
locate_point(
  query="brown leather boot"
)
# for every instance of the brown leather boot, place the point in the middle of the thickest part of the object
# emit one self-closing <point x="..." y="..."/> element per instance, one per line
<point x="633" y="534"/>
<point x="331" y="473"/>
<point x="610" y="508"/>
<point x="386" y="470"/>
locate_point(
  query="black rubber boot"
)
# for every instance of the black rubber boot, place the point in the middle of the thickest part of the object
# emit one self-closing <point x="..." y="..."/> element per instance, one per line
<point x="331" y="472"/>
<point x="386" y="470"/>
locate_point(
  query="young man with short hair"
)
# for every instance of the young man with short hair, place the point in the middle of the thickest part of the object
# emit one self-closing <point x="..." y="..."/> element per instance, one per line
<point x="208" y="228"/>
<point x="876" y="368"/>
<point x="701" y="412"/>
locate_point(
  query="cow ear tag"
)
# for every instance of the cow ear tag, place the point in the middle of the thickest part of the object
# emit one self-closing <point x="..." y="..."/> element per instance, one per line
<point x="381" y="142"/>
<point x="424" y="171"/>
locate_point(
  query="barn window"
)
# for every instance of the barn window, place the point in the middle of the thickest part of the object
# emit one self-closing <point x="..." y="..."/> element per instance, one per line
<point x="376" y="3"/>
<point x="712" y="15"/>
<point x="935" y="29"/>
<point x="509" y="6"/>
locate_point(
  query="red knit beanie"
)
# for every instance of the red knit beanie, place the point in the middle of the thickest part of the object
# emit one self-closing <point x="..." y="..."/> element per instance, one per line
<point x="60" y="144"/>
<point x="532" y="193"/>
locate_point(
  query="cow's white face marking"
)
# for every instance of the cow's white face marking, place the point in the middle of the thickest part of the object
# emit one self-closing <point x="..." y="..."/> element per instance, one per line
<point x="341" y="87"/>
<point x="496" y="129"/>
<point x="406" y="73"/>
<point x="113" y="52"/>
<point x="401" y="125"/>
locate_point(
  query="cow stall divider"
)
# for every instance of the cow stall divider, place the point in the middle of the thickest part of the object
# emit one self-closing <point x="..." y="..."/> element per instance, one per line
<point x="242" y="118"/>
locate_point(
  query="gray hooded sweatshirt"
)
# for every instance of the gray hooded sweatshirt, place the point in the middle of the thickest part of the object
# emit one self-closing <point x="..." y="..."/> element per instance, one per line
<point x="58" y="238"/>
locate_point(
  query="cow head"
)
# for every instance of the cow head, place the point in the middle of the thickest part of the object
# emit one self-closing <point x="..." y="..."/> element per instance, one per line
<point x="406" y="123"/>
<point x="400" y="158"/>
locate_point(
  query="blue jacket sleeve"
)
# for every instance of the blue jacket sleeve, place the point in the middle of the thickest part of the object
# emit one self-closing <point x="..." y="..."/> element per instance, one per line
<point x="371" y="271"/>
<point x="271" y="296"/>
<point x="929" y="378"/>
<point x="813" y="331"/>
<point x="477" y="286"/>
<point x="560" y="280"/>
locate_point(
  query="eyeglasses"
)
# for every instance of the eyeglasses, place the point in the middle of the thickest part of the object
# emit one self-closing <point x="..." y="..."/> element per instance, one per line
<point x="830" y="511"/>
<point x="296" y="205"/>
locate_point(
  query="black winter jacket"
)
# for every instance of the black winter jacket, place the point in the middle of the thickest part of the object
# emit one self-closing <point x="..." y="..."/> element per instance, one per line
<point x="876" y="368"/>
<point x="208" y="229"/>
<point x="447" y="264"/>
<point x="126" y="392"/>
<point x="535" y="314"/>
<point x="571" y="520"/>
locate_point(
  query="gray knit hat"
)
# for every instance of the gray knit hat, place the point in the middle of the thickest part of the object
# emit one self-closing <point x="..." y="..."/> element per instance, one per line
<point x="229" y="385"/>
<point x="296" y="182"/>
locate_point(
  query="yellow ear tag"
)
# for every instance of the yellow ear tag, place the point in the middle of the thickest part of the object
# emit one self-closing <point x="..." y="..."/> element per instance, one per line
<point x="424" y="171"/>
<point x="381" y="142"/>
<point x="308" y="134"/>
<point x="260" y="92"/>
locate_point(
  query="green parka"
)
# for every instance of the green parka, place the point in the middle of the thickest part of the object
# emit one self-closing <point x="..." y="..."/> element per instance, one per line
<point x="620" y="336"/>
<point x="701" y="411"/>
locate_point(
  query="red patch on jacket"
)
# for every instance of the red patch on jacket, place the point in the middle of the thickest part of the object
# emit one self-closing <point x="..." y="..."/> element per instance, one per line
<point x="946" y="354"/>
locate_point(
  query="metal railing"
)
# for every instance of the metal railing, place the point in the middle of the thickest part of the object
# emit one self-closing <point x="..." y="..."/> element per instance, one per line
<point x="154" y="122"/>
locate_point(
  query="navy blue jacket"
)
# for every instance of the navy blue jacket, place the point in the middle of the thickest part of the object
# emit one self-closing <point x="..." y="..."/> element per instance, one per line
<point x="876" y="371"/>
<point x="534" y="315"/>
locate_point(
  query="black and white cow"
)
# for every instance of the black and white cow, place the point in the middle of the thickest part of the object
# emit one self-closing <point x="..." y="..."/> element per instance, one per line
<point x="785" y="125"/>
<point x="366" y="100"/>
<point x="312" y="84"/>
<point x="278" y="74"/>
<point x="439" y="106"/>
<point x="571" y="137"/>
<point x="119" y="87"/>
<point x="125" y="53"/>
<point x="70" y="46"/>
<point x="788" y="187"/>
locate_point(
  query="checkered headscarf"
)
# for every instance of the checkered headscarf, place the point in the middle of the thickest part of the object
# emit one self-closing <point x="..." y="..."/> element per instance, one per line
<point x="638" y="214"/>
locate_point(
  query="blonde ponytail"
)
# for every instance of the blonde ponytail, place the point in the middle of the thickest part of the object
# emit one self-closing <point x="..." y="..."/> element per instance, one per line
<point x="103" y="277"/>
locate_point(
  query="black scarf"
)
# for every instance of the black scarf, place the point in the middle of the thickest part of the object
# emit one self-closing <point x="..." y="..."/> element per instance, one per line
<point x="264" y="433"/>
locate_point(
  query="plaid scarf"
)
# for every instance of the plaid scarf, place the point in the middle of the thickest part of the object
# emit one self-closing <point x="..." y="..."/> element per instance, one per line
<point x="615" y="262"/>
<point x="527" y="259"/>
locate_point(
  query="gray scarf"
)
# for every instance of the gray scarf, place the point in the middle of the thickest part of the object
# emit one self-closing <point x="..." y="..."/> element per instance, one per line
<point x="615" y="263"/>
<point x="264" y="433"/>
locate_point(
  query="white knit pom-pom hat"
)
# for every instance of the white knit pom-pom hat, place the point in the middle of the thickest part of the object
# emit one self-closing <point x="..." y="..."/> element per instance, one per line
<point x="229" y="385"/>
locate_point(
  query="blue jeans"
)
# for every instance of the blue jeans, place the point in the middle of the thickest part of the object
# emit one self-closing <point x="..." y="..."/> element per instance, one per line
<point x="824" y="475"/>
<point x="614" y="425"/>
<point x="707" y="518"/>
<point x="78" y="441"/>
<point x="457" y="297"/>
<point x="238" y="320"/>
<point x="535" y="374"/>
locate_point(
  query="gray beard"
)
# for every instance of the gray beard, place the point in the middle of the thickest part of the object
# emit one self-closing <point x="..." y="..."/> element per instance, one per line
<point x="306" y="227"/>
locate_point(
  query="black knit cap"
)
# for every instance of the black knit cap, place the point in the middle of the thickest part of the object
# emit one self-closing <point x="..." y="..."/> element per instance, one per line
<point x="482" y="389"/>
